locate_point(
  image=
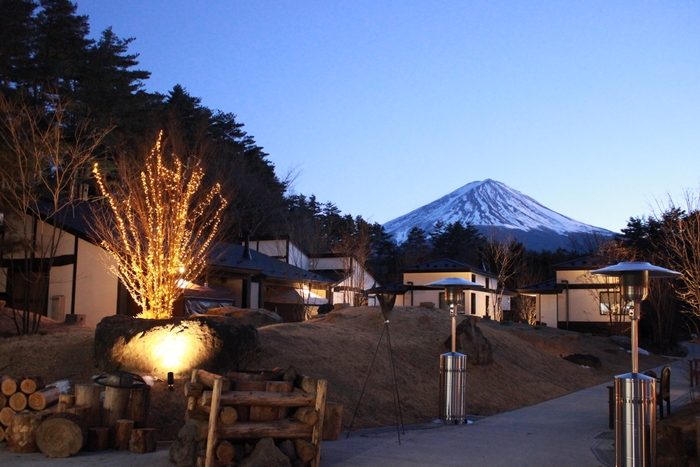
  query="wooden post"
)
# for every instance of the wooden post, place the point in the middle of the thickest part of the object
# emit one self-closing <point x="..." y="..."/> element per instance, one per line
<point x="143" y="440"/>
<point x="213" y="417"/>
<point x="89" y="394"/>
<point x="140" y="406"/>
<point x="98" y="438"/>
<point x="115" y="406"/>
<point x="332" y="421"/>
<point x="122" y="434"/>
<point x="321" y="388"/>
<point x="21" y="434"/>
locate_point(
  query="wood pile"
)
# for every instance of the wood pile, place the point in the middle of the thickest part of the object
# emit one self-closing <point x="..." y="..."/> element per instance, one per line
<point x="37" y="417"/>
<point x="278" y="409"/>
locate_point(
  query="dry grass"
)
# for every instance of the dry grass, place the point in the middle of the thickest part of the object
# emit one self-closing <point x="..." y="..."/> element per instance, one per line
<point x="526" y="370"/>
<point x="339" y="347"/>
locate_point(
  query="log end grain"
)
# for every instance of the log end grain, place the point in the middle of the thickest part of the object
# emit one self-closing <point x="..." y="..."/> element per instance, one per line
<point x="61" y="435"/>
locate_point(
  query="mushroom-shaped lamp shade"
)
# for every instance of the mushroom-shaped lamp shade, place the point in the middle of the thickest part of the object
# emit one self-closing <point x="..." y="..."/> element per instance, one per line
<point x="634" y="277"/>
<point x="453" y="287"/>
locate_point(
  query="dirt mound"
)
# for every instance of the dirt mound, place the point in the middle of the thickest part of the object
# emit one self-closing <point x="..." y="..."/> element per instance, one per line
<point x="526" y="369"/>
<point x="527" y="366"/>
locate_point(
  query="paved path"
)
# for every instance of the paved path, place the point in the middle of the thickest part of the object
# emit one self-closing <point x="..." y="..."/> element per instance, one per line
<point x="570" y="431"/>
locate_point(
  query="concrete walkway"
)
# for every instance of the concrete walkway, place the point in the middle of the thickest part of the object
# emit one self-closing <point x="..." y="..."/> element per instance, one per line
<point x="570" y="431"/>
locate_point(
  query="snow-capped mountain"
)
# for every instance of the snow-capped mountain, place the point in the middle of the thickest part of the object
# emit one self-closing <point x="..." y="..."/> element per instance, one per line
<point x="493" y="207"/>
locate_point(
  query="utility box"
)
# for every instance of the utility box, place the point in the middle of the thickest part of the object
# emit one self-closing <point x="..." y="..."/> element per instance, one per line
<point x="58" y="308"/>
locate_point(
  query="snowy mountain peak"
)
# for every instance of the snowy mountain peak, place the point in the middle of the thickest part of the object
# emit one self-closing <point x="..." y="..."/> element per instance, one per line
<point x="490" y="204"/>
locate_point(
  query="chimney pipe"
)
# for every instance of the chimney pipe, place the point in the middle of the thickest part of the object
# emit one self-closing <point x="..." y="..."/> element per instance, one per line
<point x="246" y="247"/>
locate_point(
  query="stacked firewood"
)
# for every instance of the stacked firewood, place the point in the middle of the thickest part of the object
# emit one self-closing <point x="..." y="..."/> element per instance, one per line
<point x="258" y="414"/>
<point x="38" y="417"/>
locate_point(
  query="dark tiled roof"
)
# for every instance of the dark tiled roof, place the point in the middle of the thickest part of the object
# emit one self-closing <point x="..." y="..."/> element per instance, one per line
<point x="587" y="262"/>
<point x="230" y="256"/>
<point x="444" y="265"/>
<point x="547" y="287"/>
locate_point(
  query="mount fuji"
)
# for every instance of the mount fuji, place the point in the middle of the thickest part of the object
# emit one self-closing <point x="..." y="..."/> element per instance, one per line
<point x="496" y="209"/>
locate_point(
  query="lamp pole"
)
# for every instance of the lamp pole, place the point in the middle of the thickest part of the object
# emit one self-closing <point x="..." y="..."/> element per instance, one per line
<point x="635" y="394"/>
<point x="453" y="365"/>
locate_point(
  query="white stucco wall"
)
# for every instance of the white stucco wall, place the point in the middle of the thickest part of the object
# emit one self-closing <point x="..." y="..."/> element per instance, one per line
<point x="95" y="287"/>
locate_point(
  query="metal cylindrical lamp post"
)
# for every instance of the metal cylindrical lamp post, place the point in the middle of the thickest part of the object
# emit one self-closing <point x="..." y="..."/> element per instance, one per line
<point x="635" y="394"/>
<point x="453" y="365"/>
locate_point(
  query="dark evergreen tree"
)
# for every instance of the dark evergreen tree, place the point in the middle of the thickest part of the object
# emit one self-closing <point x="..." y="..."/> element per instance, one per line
<point x="17" y="42"/>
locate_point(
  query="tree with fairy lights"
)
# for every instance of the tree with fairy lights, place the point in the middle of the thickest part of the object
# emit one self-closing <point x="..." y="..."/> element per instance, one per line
<point x="159" y="227"/>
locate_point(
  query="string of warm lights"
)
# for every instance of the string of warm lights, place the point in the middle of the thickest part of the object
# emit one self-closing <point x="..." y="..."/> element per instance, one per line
<point x="162" y="233"/>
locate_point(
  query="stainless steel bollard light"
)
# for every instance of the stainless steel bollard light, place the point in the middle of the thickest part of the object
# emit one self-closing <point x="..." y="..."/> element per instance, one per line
<point x="453" y="365"/>
<point x="635" y="394"/>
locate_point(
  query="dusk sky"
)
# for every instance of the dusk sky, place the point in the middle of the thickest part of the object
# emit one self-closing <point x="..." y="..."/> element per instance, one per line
<point x="590" y="107"/>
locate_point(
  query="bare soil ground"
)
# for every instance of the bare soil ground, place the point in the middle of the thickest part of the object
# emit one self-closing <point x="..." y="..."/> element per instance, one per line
<point x="527" y="366"/>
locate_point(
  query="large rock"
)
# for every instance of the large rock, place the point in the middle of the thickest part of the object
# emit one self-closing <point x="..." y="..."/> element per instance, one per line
<point x="156" y="347"/>
<point x="471" y="341"/>
<point x="253" y="317"/>
<point x="266" y="454"/>
<point x="186" y="448"/>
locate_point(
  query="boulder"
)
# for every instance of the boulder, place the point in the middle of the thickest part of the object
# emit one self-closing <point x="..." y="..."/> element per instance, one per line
<point x="584" y="359"/>
<point x="266" y="454"/>
<point x="471" y="341"/>
<point x="252" y="317"/>
<point x="156" y="347"/>
<point x="186" y="448"/>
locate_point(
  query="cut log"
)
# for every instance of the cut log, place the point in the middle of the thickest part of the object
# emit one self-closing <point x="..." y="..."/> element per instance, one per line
<point x="283" y="399"/>
<point x="2" y="434"/>
<point x="332" y="421"/>
<point x="21" y="434"/>
<point x="80" y="411"/>
<point x="225" y="452"/>
<point x="3" y="400"/>
<point x="305" y="450"/>
<point x="143" y="440"/>
<point x="122" y="434"/>
<point x="193" y="389"/>
<point x="44" y="398"/>
<point x="6" y="416"/>
<point x="280" y="429"/>
<point x="61" y="435"/>
<point x="140" y="406"/>
<point x="18" y="401"/>
<point x="228" y="416"/>
<point x="306" y="384"/>
<point x="10" y="385"/>
<point x="98" y="438"/>
<point x="115" y="406"/>
<point x="68" y="400"/>
<point x="207" y="379"/>
<point x="32" y="384"/>
<point x="89" y="394"/>
<point x="306" y="415"/>
<point x="244" y="410"/>
<point x="267" y="413"/>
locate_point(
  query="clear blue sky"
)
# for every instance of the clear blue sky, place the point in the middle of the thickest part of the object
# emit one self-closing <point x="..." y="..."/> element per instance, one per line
<point x="590" y="107"/>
